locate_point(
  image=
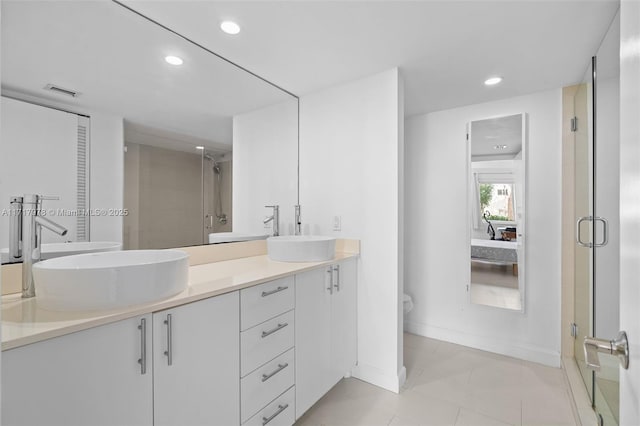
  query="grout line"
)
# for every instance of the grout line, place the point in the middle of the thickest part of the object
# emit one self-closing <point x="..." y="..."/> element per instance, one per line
<point x="455" y="422"/>
<point x="391" y="420"/>
<point x="521" y="415"/>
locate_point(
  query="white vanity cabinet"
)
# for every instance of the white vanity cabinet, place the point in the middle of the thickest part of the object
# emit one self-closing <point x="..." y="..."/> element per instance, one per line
<point x="91" y="377"/>
<point x="326" y="329"/>
<point x="260" y="355"/>
<point x="196" y="351"/>
<point x="96" y="376"/>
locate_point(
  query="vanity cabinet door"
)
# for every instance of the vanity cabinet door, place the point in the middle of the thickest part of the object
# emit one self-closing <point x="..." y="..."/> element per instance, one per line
<point x="326" y="330"/>
<point x="91" y="377"/>
<point x="196" y="357"/>
<point x="313" y="338"/>
<point x="344" y="342"/>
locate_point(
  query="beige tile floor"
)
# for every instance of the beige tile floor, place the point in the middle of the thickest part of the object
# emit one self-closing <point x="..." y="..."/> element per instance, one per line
<point x="449" y="384"/>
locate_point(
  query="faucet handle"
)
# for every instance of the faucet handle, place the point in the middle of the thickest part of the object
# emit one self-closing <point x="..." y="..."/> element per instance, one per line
<point x="48" y="197"/>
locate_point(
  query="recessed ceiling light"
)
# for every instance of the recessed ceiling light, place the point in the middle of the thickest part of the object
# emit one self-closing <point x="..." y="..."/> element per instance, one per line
<point x="173" y="60"/>
<point x="492" y="81"/>
<point x="230" y="27"/>
<point x="200" y="147"/>
<point x="500" y="147"/>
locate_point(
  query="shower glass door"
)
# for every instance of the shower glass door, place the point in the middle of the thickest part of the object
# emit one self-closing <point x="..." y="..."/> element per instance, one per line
<point x="583" y="202"/>
<point x="606" y="298"/>
<point x="596" y="201"/>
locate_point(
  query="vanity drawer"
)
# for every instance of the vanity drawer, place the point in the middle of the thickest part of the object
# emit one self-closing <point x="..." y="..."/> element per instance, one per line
<point x="266" y="341"/>
<point x="264" y="301"/>
<point x="280" y="412"/>
<point x="267" y="382"/>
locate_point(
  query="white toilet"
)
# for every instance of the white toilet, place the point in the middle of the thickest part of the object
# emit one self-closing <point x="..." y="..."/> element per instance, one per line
<point x="408" y="303"/>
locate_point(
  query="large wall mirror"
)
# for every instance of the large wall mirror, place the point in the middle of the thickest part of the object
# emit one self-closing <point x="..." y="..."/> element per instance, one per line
<point x="148" y="139"/>
<point x="497" y="188"/>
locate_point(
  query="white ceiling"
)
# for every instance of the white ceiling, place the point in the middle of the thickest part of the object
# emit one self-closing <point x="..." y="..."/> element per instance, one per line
<point x="445" y="49"/>
<point x="115" y="59"/>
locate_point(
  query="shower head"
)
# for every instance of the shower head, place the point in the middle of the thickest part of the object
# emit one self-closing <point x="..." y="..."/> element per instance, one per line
<point x="215" y="166"/>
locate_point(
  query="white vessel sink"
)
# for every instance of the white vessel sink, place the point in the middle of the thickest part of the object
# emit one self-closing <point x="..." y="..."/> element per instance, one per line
<point x="110" y="280"/>
<point x="233" y="237"/>
<point x="301" y="248"/>
<point x="53" y="250"/>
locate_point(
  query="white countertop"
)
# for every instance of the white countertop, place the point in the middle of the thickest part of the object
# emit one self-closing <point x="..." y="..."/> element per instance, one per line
<point x="24" y="322"/>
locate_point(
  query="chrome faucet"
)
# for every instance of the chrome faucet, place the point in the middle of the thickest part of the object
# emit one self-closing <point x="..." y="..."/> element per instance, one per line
<point x="275" y="217"/>
<point x="26" y="235"/>
<point x="298" y="219"/>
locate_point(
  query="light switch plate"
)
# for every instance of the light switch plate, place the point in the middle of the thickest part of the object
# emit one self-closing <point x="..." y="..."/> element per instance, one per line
<point x="337" y="223"/>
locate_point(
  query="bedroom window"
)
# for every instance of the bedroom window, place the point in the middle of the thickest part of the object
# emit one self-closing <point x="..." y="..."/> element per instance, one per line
<point x="497" y="199"/>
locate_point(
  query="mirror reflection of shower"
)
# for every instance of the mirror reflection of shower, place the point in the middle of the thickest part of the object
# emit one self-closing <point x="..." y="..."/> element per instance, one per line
<point x="217" y="188"/>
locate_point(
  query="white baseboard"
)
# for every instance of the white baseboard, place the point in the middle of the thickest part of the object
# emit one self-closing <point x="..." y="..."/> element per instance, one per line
<point x="376" y="377"/>
<point x="489" y="344"/>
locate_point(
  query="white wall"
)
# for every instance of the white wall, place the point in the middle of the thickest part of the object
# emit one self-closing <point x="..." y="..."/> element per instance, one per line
<point x="437" y="257"/>
<point x="265" y="167"/>
<point x="107" y="175"/>
<point x="350" y="166"/>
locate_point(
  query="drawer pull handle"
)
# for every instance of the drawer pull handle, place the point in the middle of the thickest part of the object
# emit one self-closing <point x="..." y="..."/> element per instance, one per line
<point x="277" y="290"/>
<point x="273" y="330"/>
<point x="281" y="408"/>
<point x="143" y="346"/>
<point x="169" y="352"/>
<point x="281" y="367"/>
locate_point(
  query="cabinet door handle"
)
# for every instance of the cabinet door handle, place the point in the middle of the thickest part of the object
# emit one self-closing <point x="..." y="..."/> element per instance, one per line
<point x="273" y="330"/>
<point x="281" y="367"/>
<point x="330" y="272"/>
<point x="337" y="283"/>
<point x="281" y="408"/>
<point x="143" y="346"/>
<point x="277" y="290"/>
<point x="169" y="351"/>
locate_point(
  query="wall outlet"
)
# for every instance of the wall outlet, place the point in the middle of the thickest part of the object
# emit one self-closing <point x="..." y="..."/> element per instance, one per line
<point x="337" y="223"/>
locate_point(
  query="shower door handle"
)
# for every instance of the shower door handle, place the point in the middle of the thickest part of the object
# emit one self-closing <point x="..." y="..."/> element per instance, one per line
<point x="592" y="219"/>
<point x="578" y="231"/>
<point x="605" y="231"/>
